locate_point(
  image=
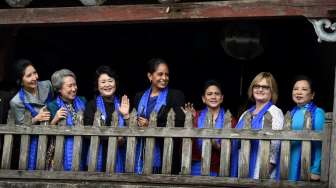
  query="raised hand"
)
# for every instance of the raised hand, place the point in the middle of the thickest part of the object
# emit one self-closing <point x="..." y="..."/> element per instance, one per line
<point x="124" y="106"/>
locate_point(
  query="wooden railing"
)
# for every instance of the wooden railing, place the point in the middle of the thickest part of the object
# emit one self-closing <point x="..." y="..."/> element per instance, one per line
<point x="41" y="176"/>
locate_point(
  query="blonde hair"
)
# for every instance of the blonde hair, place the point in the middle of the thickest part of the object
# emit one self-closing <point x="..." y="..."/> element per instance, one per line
<point x="270" y="81"/>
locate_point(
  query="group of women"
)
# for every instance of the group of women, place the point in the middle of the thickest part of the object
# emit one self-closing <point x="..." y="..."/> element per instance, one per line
<point x="57" y="100"/>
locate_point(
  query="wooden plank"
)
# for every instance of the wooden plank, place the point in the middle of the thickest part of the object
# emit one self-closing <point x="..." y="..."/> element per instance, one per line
<point x="25" y="143"/>
<point x="42" y="148"/>
<point x="162" y="180"/>
<point x="149" y="146"/>
<point x="244" y="154"/>
<point x="156" y="13"/>
<point x="285" y="149"/>
<point x="325" y="158"/>
<point x="177" y="132"/>
<point x="187" y="146"/>
<point x="332" y="156"/>
<point x="264" y="172"/>
<point x="224" y="169"/>
<point x="131" y="144"/>
<point x="306" y="150"/>
<point x="7" y="151"/>
<point x="206" y="147"/>
<point x="112" y="147"/>
<point x="168" y="146"/>
<point x="94" y="143"/>
<point x="77" y="145"/>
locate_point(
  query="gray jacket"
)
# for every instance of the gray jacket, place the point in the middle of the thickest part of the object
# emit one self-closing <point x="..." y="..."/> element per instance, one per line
<point x="37" y="102"/>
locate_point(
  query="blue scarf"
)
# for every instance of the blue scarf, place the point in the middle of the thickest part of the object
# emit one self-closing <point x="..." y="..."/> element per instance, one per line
<point x="120" y="150"/>
<point x="33" y="139"/>
<point x="68" y="149"/>
<point x="257" y="123"/>
<point x="142" y="110"/>
<point x="310" y="107"/>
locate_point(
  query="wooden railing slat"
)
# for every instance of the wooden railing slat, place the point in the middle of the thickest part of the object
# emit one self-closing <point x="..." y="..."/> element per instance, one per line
<point x="306" y="150"/>
<point x="7" y="151"/>
<point x="206" y="147"/>
<point x="77" y="145"/>
<point x="42" y="149"/>
<point x="168" y="146"/>
<point x="112" y="147"/>
<point x="187" y="146"/>
<point x="131" y="144"/>
<point x="94" y="143"/>
<point x="149" y="147"/>
<point x="24" y="148"/>
<point x="285" y="150"/>
<point x="325" y="159"/>
<point x="244" y="154"/>
<point x="224" y="169"/>
<point x="264" y="172"/>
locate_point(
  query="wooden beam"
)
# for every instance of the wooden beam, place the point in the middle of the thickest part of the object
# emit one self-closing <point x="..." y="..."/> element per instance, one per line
<point x="90" y="178"/>
<point x="157" y="12"/>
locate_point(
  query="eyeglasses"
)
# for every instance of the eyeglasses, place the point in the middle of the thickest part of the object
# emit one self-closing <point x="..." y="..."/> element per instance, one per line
<point x="263" y="87"/>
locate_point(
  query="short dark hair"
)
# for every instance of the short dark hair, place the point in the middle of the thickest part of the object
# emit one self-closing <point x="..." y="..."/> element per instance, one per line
<point x="209" y="83"/>
<point x="20" y="66"/>
<point x="305" y="78"/>
<point x="105" y="70"/>
<point x="154" y="63"/>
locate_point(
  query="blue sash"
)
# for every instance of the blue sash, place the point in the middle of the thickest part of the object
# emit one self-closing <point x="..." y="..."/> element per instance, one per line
<point x="310" y="107"/>
<point x="33" y="139"/>
<point x="256" y="124"/>
<point x="120" y="161"/>
<point x="68" y="145"/>
<point x="196" y="166"/>
<point x="142" y="110"/>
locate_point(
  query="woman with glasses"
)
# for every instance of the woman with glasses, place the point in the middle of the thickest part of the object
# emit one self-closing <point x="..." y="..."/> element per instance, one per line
<point x="263" y="92"/>
<point x="303" y="94"/>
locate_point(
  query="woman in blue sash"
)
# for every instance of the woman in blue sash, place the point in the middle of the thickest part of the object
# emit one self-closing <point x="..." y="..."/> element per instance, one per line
<point x="264" y="92"/>
<point x="32" y="96"/>
<point x="160" y="99"/>
<point x="66" y="106"/>
<point x="303" y="94"/>
<point x="212" y="97"/>
<point x="107" y="102"/>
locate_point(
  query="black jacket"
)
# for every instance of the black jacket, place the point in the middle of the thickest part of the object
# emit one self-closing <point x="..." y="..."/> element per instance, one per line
<point x="175" y="100"/>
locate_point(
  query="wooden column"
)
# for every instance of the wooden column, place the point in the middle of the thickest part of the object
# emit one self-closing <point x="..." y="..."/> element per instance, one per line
<point x="332" y="169"/>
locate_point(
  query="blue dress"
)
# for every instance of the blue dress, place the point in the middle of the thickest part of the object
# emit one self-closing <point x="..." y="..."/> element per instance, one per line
<point x="295" y="154"/>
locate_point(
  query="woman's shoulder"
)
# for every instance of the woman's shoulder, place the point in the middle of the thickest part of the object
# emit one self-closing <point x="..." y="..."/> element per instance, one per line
<point x="274" y="110"/>
<point x="16" y="101"/>
<point x="83" y="99"/>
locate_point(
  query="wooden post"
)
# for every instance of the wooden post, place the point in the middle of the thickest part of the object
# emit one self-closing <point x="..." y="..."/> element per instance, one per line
<point x="332" y="167"/>
<point x="59" y="149"/>
<point x="187" y="146"/>
<point x="112" y="146"/>
<point x="168" y="145"/>
<point x="131" y="144"/>
<point x="206" y="147"/>
<point x="94" y="143"/>
<point x="325" y="160"/>
<point x="224" y="169"/>
<point x="306" y="150"/>
<point x="244" y="154"/>
<point x="25" y="143"/>
<point x="42" y="148"/>
<point x="285" y="149"/>
<point x="77" y="145"/>
<point x="149" y="146"/>
<point x="264" y="172"/>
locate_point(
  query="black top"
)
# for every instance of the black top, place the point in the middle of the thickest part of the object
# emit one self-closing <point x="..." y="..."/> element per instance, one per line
<point x="175" y="100"/>
<point x="91" y="109"/>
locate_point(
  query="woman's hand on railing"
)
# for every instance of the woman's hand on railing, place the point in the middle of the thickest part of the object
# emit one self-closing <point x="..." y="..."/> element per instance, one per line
<point x="315" y="177"/>
<point x="121" y="140"/>
<point x="60" y="114"/>
<point x="142" y="122"/>
<point x="124" y="106"/>
<point x="189" y="107"/>
<point x="43" y="115"/>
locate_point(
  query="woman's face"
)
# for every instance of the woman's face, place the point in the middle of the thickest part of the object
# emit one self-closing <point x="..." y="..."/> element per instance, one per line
<point x="30" y="78"/>
<point x="160" y="77"/>
<point x="262" y="91"/>
<point x="68" y="90"/>
<point x="302" y="93"/>
<point x="106" y="85"/>
<point x="212" y="97"/>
